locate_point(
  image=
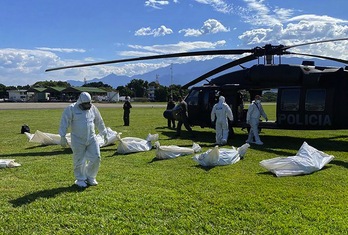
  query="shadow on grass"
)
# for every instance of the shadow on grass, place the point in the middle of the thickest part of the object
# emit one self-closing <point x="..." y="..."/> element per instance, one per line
<point x="321" y="143"/>
<point x="339" y="163"/>
<point x="266" y="173"/>
<point x="301" y="175"/>
<point x="206" y="168"/>
<point x="199" y="136"/>
<point x="49" y="193"/>
<point x="38" y="154"/>
<point x="165" y="127"/>
<point x="157" y="159"/>
<point x="115" y="154"/>
<point x="271" y="142"/>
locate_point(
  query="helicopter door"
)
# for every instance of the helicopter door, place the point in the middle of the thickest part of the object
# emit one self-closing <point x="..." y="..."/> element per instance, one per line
<point x="209" y="99"/>
<point x="200" y="103"/>
<point x="192" y="101"/>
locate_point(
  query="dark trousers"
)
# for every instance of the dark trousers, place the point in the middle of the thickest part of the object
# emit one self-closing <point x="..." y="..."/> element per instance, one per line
<point x="171" y="122"/>
<point x="126" y="118"/>
<point x="187" y="126"/>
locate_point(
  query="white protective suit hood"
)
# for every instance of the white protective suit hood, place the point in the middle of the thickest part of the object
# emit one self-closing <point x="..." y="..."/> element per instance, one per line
<point x="84" y="101"/>
<point x="221" y="100"/>
<point x="84" y="97"/>
<point x="222" y="111"/>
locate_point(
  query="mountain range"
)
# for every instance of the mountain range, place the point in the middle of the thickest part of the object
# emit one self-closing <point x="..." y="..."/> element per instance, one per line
<point x="180" y="74"/>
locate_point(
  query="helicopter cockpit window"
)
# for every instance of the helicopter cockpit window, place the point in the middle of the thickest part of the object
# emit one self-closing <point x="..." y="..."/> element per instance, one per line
<point x="209" y="99"/>
<point x="290" y="100"/>
<point x="315" y="100"/>
<point x="192" y="99"/>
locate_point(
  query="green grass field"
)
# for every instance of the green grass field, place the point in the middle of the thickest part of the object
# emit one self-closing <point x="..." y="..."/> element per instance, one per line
<point x="137" y="195"/>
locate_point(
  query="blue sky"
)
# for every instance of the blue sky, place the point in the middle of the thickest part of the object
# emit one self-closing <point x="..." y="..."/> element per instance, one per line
<point x="41" y="34"/>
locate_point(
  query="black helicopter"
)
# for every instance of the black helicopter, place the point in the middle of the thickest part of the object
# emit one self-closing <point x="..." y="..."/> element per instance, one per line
<point x="308" y="97"/>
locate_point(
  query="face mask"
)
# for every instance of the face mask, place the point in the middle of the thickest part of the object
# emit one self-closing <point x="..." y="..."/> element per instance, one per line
<point x="85" y="106"/>
<point x="258" y="101"/>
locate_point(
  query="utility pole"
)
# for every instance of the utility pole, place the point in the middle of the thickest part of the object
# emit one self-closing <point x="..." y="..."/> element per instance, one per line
<point x="171" y="79"/>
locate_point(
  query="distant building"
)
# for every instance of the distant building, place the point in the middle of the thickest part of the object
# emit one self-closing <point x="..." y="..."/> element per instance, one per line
<point x="70" y="94"/>
<point x="17" y="95"/>
<point x="113" y="96"/>
<point x="55" y="93"/>
<point x="37" y="94"/>
<point x="151" y="93"/>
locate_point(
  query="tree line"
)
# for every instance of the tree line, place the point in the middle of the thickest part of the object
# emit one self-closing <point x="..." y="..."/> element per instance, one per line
<point x="135" y="88"/>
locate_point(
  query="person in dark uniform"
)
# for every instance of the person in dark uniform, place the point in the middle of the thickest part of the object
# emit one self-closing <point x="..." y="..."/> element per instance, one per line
<point x="183" y="119"/>
<point x="126" y="111"/>
<point x="170" y="106"/>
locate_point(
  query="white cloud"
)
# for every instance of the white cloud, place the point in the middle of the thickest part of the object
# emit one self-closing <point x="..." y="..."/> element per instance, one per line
<point x="191" y="32"/>
<point x="147" y="31"/>
<point x="218" y="5"/>
<point x="282" y="13"/>
<point x="306" y="29"/>
<point x="65" y="50"/>
<point x="26" y="61"/>
<point x="172" y="48"/>
<point x="162" y="31"/>
<point x="257" y="13"/>
<point x="317" y="18"/>
<point x="210" y="26"/>
<point x="156" y="3"/>
<point x="23" y="66"/>
<point x="280" y="26"/>
<point x="28" y="66"/>
<point x="302" y="32"/>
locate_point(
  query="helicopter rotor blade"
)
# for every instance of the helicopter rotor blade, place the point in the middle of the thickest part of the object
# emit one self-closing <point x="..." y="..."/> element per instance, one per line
<point x="319" y="56"/>
<point x="164" y="56"/>
<point x="220" y="69"/>
<point x="315" y="42"/>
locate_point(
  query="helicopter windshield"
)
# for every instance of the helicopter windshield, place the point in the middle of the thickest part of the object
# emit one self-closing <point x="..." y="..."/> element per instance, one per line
<point x="192" y="98"/>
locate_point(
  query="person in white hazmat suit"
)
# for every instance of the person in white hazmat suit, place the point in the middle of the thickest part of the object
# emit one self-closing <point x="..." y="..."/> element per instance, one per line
<point x="255" y="111"/>
<point x="82" y="117"/>
<point x="220" y="113"/>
